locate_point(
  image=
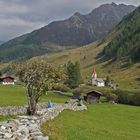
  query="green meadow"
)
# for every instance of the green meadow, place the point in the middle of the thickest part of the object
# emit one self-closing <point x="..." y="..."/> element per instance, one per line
<point x="99" y="122"/>
<point x="16" y="96"/>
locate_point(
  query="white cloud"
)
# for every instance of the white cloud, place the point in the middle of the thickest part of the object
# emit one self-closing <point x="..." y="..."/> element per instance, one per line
<point x="4" y="22"/>
<point x="13" y="27"/>
<point x="12" y="8"/>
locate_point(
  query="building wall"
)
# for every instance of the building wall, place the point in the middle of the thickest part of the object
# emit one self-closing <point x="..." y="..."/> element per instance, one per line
<point x="8" y="83"/>
<point x="92" y="99"/>
<point x="94" y="82"/>
<point x="100" y="84"/>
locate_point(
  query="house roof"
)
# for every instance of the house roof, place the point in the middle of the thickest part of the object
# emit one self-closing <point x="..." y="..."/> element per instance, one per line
<point x="3" y="77"/>
<point x="93" y="91"/>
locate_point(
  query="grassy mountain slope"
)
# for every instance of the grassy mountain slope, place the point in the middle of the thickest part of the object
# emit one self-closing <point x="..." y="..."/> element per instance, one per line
<point x="126" y="43"/>
<point x="127" y="77"/>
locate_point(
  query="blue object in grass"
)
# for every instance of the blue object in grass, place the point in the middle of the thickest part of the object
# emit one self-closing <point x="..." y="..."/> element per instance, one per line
<point x="50" y="104"/>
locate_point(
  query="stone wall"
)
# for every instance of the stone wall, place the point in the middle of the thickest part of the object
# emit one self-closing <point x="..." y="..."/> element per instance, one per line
<point x="28" y="127"/>
<point x="16" y="110"/>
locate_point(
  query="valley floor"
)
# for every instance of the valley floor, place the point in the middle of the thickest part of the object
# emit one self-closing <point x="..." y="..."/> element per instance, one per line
<point x="16" y="96"/>
<point x="99" y="122"/>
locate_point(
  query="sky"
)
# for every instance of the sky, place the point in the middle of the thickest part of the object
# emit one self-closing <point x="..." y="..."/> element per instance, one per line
<point x="18" y="17"/>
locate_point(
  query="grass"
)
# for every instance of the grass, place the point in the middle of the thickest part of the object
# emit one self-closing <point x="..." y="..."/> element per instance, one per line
<point x="126" y="77"/>
<point x="16" y="96"/>
<point x="99" y="122"/>
<point x="4" y="118"/>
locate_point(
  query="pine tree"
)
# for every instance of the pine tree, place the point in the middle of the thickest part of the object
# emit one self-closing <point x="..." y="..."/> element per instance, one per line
<point x="78" y="73"/>
<point x="74" y="74"/>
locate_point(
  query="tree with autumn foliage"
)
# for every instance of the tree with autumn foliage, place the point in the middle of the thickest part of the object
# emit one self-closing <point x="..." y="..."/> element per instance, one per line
<point x="39" y="77"/>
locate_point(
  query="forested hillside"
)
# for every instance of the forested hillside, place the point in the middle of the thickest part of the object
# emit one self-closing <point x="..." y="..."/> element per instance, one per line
<point x="126" y="42"/>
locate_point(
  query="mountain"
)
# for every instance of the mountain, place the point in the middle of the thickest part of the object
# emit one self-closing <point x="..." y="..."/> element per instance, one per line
<point x="126" y="42"/>
<point x="121" y="45"/>
<point x="75" y="31"/>
<point x="81" y="29"/>
<point x="1" y="42"/>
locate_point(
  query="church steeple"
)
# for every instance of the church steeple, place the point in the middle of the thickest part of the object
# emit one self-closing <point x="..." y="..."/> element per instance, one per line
<point x="94" y="74"/>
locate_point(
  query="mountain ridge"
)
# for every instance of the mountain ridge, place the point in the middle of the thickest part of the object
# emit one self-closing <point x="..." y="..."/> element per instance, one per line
<point x="75" y="31"/>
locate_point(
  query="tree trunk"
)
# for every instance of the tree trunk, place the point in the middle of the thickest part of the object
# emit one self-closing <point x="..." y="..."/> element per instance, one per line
<point x="32" y="104"/>
<point x="32" y="107"/>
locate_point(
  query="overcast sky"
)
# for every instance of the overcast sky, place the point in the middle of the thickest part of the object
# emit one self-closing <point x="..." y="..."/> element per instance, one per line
<point x="22" y="16"/>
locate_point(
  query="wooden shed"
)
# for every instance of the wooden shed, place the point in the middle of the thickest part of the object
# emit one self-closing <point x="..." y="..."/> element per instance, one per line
<point x="92" y="96"/>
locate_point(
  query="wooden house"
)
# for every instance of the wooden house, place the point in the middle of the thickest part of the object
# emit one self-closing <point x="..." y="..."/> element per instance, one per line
<point x="7" y="80"/>
<point x="92" y="96"/>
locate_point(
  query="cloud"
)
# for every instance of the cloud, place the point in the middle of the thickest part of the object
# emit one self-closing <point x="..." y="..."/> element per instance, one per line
<point x="12" y="8"/>
<point x="21" y="16"/>
<point x="13" y="27"/>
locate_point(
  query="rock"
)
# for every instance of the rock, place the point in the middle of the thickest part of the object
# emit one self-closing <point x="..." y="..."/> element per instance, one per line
<point x="3" y="127"/>
<point x="42" y="138"/>
<point x="36" y="134"/>
<point x="8" y="135"/>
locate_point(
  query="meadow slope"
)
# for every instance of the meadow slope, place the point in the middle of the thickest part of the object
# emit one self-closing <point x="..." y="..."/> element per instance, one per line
<point x="126" y="77"/>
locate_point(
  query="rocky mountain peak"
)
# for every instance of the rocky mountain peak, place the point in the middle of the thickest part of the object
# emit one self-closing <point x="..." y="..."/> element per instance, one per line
<point x="77" y="14"/>
<point x="113" y="4"/>
<point x="75" y="31"/>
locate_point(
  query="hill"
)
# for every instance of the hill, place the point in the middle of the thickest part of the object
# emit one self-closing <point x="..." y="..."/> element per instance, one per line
<point x="126" y="42"/>
<point x="75" y="31"/>
<point x="87" y="56"/>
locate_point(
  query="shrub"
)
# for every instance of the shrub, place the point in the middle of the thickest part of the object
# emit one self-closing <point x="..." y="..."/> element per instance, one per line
<point x="77" y="92"/>
<point x="62" y="88"/>
<point x="111" y="97"/>
<point x="131" y="98"/>
<point x="136" y="99"/>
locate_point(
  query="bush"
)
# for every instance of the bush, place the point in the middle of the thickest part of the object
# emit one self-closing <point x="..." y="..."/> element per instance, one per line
<point x="77" y="92"/>
<point x="62" y="88"/>
<point x="111" y="97"/>
<point x="131" y="98"/>
<point x="136" y="99"/>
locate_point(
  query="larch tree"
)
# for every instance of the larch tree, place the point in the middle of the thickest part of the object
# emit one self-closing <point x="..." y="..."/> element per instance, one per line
<point x="39" y="77"/>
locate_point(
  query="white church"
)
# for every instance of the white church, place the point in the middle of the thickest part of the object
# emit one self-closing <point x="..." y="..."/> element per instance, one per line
<point x="99" y="82"/>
